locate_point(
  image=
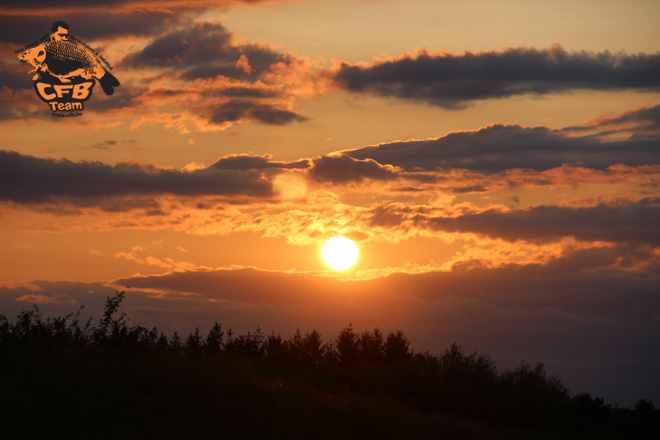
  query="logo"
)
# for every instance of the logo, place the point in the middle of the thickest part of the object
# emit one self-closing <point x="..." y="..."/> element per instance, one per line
<point x="66" y="71"/>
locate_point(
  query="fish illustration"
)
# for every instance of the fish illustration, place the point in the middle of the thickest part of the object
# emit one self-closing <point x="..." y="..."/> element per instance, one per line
<point x="65" y="60"/>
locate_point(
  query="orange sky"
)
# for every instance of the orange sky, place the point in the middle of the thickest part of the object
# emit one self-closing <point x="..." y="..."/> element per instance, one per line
<point x="497" y="163"/>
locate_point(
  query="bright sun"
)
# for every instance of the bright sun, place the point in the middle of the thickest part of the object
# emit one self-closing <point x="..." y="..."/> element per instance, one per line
<point x="339" y="253"/>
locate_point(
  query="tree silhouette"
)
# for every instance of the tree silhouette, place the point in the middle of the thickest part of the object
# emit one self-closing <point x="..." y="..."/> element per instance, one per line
<point x="213" y="343"/>
<point x="346" y="345"/>
<point x="397" y="347"/>
<point x="61" y="378"/>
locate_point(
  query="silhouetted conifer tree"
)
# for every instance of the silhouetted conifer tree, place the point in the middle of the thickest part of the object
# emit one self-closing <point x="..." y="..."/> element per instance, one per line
<point x="214" y="340"/>
<point x="397" y="347"/>
<point x="194" y="344"/>
<point x="346" y="345"/>
<point x="371" y="346"/>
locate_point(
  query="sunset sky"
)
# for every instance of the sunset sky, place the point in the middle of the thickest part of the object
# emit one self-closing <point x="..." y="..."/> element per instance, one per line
<point x="496" y="162"/>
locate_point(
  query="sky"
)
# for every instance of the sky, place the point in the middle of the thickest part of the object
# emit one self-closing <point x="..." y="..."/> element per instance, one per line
<point x="497" y="164"/>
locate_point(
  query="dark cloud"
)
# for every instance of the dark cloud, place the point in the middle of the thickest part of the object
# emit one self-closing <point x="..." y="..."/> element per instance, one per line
<point x="27" y="179"/>
<point x="410" y="189"/>
<point x="205" y="50"/>
<point x="247" y="162"/>
<point x="103" y="5"/>
<point x="267" y="114"/>
<point x="242" y="285"/>
<point x="344" y="169"/>
<point x="470" y="189"/>
<point x="641" y="123"/>
<point x="247" y="92"/>
<point x="386" y="216"/>
<point x="149" y="205"/>
<point x="15" y="76"/>
<point x="498" y="148"/>
<point x="452" y="80"/>
<point x="570" y="282"/>
<point x="105" y="145"/>
<point x="187" y="47"/>
<point x="627" y="222"/>
<point x="26" y="29"/>
<point x="240" y="110"/>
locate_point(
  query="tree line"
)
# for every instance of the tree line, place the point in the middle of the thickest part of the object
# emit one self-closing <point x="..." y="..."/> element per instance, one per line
<point x="113" y="360"/>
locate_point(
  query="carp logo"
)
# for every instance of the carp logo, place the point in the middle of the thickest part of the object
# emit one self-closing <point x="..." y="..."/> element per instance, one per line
<point x="65" y="72"/>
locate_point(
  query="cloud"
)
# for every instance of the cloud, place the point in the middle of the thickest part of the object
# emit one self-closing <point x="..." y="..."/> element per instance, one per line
<point x="632" y="222"/>
<point x="206" y="50"/>
<point x="24" y="28"/>
<point x="452" y="81"/>
<point x="105" y="145"/>
<point x="45" y="299"/>
<point x="344" y="169"/>
<point x="28" y="179"/>
<point x="554" y="284"/>
<point x="248" y="162"/>
<point x="236" y="110"/>
<point x="242" y="285"/>
<point x="38" y="7"/>
<point x="248" y="92"/>
<point x="582" y="282"/>
<point x="638" y="123"/>
<point x="14" y="77"/>
<point x="202" y="106"/>
<point x="497" y="148"/>
<point x="225" y="82"/>
<point x="398" y="191"/>
<point x="19" y="104"/>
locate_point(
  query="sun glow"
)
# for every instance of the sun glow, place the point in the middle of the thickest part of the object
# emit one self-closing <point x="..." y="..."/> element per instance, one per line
<point x="290" y="185"/>
<point x="339" y="253"/>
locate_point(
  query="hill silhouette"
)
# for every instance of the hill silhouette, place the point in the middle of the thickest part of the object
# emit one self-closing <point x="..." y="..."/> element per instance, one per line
<point x="60" y="378"/>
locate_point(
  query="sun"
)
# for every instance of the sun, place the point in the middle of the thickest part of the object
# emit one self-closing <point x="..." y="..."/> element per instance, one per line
<point x="339" y="253"/>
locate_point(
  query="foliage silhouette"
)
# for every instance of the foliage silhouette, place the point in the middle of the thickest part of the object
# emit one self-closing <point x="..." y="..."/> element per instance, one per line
<point x="60" y="378"/>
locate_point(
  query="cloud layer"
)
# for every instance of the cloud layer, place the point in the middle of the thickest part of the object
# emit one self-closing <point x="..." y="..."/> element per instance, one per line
<point x="398" y="190"/>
